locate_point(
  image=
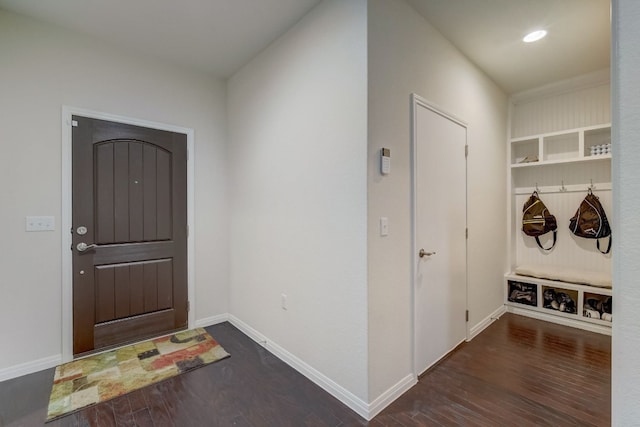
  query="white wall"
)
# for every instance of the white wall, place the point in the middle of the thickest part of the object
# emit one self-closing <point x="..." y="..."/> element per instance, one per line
<point x="43" y="68"/>
<point x="626" y="243"/>
<point x="406" y="54"/>
<point x="297" y="129"/>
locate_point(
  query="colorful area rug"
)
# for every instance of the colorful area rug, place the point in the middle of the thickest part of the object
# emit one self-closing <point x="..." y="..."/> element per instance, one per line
<point x="94" y="379"/>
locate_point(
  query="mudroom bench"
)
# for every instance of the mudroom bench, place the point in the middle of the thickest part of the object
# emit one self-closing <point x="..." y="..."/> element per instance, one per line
<point x="571" y="297"/>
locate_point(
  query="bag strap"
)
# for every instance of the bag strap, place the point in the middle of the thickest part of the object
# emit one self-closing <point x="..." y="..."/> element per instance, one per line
<point x="598" y="246"/>
<point x="554" y="243"/>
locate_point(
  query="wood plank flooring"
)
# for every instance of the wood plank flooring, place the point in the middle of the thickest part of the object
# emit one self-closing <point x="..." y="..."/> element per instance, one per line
<point x="518" y="372"/>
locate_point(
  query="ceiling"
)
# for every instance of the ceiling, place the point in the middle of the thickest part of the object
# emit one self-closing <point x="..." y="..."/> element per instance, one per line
<point x="490" y="32"/>
<point x="215" y="36"/>
<point x="219" y="36"/>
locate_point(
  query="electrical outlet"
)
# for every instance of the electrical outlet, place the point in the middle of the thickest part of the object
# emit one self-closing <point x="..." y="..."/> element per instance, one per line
<point x="283" y="301"/>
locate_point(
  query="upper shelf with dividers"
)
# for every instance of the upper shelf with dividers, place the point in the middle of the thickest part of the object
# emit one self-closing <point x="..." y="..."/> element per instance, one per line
<point x="570" y="146"/>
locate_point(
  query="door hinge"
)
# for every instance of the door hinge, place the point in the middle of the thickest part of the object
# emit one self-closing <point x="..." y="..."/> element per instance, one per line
<point x="466" y="316"/>
<point x="466" y="150"/>
<point x="187" y="230"/>
<point x="466" y="233"/>
<point x="188" y="306"/>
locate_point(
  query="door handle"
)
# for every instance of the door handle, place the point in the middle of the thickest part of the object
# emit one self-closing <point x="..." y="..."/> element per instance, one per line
<point x="423" y="254"/>
<point x="82" y="246"/>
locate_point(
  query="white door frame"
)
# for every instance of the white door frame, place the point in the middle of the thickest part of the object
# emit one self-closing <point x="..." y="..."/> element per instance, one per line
<point x="65" y="221"/>
<point x="416" y="102"/>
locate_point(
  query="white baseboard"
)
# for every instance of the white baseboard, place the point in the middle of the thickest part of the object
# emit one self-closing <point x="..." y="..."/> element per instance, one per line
<point x="474" y="331"/>
<point x="605" y="330"/>
<point x="386" y="398"/>
<point x="331" y="387"/>
<point x="213" y="320"/>
<point x="52" y="361"/>
<point x="365" y="410"/>
<point x="30" y="367"/>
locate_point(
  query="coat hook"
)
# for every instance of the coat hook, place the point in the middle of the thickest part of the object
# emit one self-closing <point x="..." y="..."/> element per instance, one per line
<point x="563" y="188"/>
<point x="537" y="189"/>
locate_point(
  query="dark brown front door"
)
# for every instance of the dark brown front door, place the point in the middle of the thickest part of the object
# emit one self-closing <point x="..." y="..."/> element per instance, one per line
<point x="129" y="233"/>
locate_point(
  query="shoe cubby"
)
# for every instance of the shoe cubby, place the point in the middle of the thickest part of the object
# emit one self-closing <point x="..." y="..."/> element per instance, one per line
<point x="572" y="304"/>
<point x="523" y="293"/>
<point x="597" y="306"/>
<point x="560" y="299"/>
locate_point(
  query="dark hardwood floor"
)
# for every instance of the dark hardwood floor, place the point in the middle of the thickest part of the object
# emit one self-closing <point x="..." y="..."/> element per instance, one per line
<point x="518" y="372"/>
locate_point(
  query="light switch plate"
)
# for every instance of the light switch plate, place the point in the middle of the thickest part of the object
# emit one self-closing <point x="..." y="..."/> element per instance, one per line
<point x="40" y="223"/>
<point x="384" y="226"/>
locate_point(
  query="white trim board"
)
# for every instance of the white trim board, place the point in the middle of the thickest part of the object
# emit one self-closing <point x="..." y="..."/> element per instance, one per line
<point x="30" y="367"/>
<point x="65" y="217"/>
<point x="210" y="321"/>
<point x="560" y="320"/>
<point x="484" y="323"/>
<point x="327" y="384"/>
<point x="53" y="361"/>
<point x="394" y="392"/>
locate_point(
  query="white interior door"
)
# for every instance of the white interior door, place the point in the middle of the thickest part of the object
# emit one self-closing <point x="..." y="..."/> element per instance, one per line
<point x="440" y="197"/>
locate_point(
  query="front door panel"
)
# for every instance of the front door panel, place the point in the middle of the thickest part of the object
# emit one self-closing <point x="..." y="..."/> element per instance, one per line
<point x="129" y="209"/>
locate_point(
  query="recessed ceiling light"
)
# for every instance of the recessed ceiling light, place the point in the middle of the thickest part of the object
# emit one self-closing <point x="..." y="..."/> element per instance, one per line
<point x="534" y="36"/>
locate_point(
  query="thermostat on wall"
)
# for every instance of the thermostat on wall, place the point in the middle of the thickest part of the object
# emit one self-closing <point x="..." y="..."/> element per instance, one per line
<point x="385" y="161"/>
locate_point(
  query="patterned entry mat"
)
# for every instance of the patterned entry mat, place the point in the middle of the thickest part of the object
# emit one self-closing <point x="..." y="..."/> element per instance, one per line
<point x="101" y="377"/>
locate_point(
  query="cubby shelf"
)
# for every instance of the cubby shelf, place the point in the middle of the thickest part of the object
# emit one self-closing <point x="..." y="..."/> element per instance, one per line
<point x="599" y="157"/>
<point x="554" y="148"/>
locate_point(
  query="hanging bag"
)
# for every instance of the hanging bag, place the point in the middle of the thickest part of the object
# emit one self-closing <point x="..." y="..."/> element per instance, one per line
<point x="591" y="222"/>
<point x="536" y="220"/>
